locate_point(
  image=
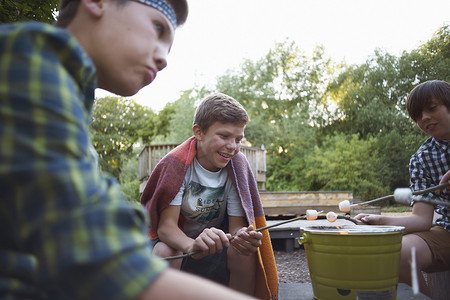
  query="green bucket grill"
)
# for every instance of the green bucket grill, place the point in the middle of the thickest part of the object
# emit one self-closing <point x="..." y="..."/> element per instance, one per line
<point x="359" y="262"/>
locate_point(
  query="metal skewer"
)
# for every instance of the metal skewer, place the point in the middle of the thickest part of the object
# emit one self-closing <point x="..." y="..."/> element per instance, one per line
<point x="431" y="201"/>
<point x="371" y="201"/>
<point x="430" y="189"/>
<point x="414" y="279"/>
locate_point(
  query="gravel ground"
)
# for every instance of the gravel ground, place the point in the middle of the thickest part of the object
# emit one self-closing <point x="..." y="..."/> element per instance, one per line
<point x="292" y="267"/>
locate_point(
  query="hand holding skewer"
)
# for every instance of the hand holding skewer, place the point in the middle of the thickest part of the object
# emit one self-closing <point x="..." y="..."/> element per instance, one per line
<point x="311" y="215"/>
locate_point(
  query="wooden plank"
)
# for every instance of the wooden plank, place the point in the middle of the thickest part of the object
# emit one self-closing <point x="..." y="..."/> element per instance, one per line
<point x="142" y="185"/>
<point x="297" y="210"/>
<point x="143" y="163"/>
<point x="296" y="203"/>
<point x="308" y="194"/>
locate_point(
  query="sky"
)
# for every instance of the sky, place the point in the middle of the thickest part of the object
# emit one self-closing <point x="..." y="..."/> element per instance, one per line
<point x="220" y="34"/>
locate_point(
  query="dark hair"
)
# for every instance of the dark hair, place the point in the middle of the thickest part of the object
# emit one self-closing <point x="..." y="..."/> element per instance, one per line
<point x="422" y="95"/>
<point x="68" y="10"/>
<point x="219" y="107"/>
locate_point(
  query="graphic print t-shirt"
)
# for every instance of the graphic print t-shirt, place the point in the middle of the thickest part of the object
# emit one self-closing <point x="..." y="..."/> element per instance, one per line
<point x="204" y="197"/>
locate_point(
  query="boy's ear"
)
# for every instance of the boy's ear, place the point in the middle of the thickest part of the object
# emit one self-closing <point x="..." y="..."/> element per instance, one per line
<point x="197" y="132"/>
<point x="94" y="7"/>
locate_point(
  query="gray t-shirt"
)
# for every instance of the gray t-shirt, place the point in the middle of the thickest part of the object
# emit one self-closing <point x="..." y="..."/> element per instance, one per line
<point x="204" y="197"/>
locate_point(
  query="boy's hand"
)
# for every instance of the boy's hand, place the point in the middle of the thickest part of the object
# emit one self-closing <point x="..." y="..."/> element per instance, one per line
<point x="369" y="219"/>
<point x="210" y="241"/>
<point x="247" y="241"/>
<point x="445" y="178"/>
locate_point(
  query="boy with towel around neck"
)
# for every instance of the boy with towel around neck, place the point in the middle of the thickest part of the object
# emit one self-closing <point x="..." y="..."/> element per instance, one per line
<point x="66" y="231"/>
<point x="202" y="193"/>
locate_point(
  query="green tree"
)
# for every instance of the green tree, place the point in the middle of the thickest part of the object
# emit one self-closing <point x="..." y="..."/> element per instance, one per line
<point x="180" y="121"/>
<point x="394" y="151"/>
<point x="346" y="163"/>
<point x="370" y="100"/>
<point x="118" y="124"/>
<point x="129" y="177"/>
<point x="36" y="10"/>
<point x="431" y="60"/>
<point x="278" y="86"/>
<point x="286" y="158"/>
<point x="370" y="97"/>
<point x="282" y="93"/>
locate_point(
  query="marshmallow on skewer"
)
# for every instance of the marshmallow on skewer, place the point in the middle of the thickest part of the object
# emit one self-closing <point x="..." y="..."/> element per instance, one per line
<point x="403" y="196"/>
<point x="344" y="205"/>
<point x="311" y="214"/>
<point x="331" y="216"/>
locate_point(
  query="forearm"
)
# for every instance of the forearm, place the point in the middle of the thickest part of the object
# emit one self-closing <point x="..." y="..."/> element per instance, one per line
<point x="174" y="237"/>
<point x="188" y="287"/>
<point x="412" y="223"/>
<point x="420" y="219"/>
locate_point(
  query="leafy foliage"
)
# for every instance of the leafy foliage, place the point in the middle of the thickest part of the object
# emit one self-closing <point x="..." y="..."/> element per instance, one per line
<point x="129" y="178"/>
<point x="36" y="10"/>
<point x="282" y="94"/>
<point x="371" y="97"/>
<point x="432" y="59"/>
<point x="346" y="162"/>
<point x="118" y="124"/>
<point x="179" y="122"/>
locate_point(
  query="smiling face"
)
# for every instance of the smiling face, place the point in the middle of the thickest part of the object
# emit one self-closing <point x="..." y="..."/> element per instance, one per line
<point x="435" y="120"/>
<point x="128" y="43"/>
<point x="217" y="146"/>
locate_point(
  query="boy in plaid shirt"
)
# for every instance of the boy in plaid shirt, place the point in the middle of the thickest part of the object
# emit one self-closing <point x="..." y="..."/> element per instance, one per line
<point x="428" y="105"/>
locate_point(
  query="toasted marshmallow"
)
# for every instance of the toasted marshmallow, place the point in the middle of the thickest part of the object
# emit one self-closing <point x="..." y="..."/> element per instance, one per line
<point x="331" y="216"/>
<point x="344" y="205"/>
<point x="311" y="214"/>
<point x="403" y="196"/>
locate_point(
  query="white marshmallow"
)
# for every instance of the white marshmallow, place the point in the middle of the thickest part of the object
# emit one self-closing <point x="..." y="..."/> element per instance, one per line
<point x="403" y="196"/>
<point x="311" y="214"/>
<point x="344" y="205"/>
<point x="331" y="216"/>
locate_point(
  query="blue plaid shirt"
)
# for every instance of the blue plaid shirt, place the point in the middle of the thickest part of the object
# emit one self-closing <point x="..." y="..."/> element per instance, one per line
<point x="66" y="233"/>
<point x="427" y="166"/>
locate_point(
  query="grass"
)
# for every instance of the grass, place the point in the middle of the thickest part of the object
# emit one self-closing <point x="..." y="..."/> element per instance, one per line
<point x="395" y="208"/>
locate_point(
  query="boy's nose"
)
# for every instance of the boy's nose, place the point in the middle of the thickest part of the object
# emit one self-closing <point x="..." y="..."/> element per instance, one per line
<point x="425" y="116"/>
<point x="160" y="58"/>
<point x="232" y="145"/>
